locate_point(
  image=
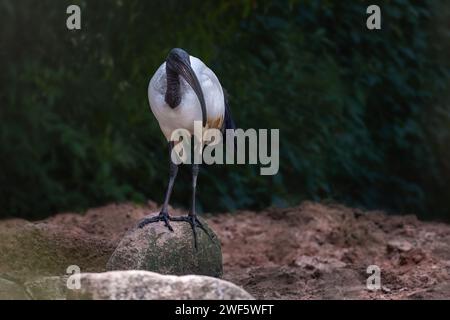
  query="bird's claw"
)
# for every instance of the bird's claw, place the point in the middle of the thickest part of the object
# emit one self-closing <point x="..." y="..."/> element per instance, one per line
<point x="194" y="222"/>
<point x="162" y="216"/>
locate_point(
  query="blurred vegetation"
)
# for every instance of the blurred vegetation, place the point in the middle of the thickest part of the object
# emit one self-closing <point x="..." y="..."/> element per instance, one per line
<point x="364" y="116"/>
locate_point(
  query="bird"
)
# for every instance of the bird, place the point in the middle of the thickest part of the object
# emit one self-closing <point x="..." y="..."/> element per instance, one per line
<point x="183" y="90"/>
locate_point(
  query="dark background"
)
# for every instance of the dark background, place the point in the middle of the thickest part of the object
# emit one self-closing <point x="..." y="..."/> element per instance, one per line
<point x="364" y="116"/>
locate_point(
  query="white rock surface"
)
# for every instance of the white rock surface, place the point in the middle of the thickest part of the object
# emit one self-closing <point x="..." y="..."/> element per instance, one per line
<point x="146" y="285"/>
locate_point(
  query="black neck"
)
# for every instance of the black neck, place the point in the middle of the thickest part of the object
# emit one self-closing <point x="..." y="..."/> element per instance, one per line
<point x="173" y="94"/>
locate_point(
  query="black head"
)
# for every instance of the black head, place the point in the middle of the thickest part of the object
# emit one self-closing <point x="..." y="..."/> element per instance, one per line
<point x="177" y="55"/>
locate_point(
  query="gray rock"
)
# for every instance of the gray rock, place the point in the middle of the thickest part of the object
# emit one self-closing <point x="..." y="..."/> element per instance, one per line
<point x="34" y="250"/>
<point x="155" y="248"/>
<point x="145" y="285"/>
<point x="10" y="290"/>
<point x="30" y="250"/>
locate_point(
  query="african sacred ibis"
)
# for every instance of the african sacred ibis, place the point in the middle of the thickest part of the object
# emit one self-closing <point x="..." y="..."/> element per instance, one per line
<point x="181" y="91"/>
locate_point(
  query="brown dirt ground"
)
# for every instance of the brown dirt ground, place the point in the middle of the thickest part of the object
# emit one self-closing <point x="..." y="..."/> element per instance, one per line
<point x="313" y="251"/>
<point x="316" y="251"/>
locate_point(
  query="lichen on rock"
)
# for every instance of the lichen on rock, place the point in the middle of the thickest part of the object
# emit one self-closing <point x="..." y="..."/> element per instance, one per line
<point x="156" y="248"/>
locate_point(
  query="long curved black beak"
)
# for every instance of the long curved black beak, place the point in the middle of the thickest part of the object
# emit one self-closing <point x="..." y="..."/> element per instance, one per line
<point x="182" y="66"/>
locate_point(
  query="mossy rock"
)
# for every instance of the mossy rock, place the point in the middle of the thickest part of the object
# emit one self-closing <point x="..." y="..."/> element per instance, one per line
<point x="10" y="290"/>
<point x="30" y="250"/>
<point x="156" y="248"/>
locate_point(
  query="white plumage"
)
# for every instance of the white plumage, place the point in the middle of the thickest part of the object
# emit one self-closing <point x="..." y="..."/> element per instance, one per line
<point x="189" y="110"/>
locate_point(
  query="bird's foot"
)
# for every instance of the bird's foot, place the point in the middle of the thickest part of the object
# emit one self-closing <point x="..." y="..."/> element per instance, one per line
<point x="162" y="216"/>
<point x="194" y="222"/>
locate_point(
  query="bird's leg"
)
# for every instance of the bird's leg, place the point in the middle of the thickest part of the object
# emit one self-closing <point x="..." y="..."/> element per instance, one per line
<point x="164" y="214"/>
<point x="192" y="216"/>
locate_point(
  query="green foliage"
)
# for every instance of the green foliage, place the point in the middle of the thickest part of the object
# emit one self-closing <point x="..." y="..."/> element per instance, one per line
<point x="364" y="116"/>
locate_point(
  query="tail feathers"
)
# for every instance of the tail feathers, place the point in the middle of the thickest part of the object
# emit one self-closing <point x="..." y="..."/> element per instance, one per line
<point x="228" y="123"/>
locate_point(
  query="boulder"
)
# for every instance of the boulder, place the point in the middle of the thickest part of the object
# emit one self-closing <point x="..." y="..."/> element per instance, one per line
<point x="145" y="285"/>
<point x="155" y="248"/>
<point x="47" y="288"/>
<point x="30" y="250"/>
<point x="33" y="250"/>
<point x="10" y="290"/>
